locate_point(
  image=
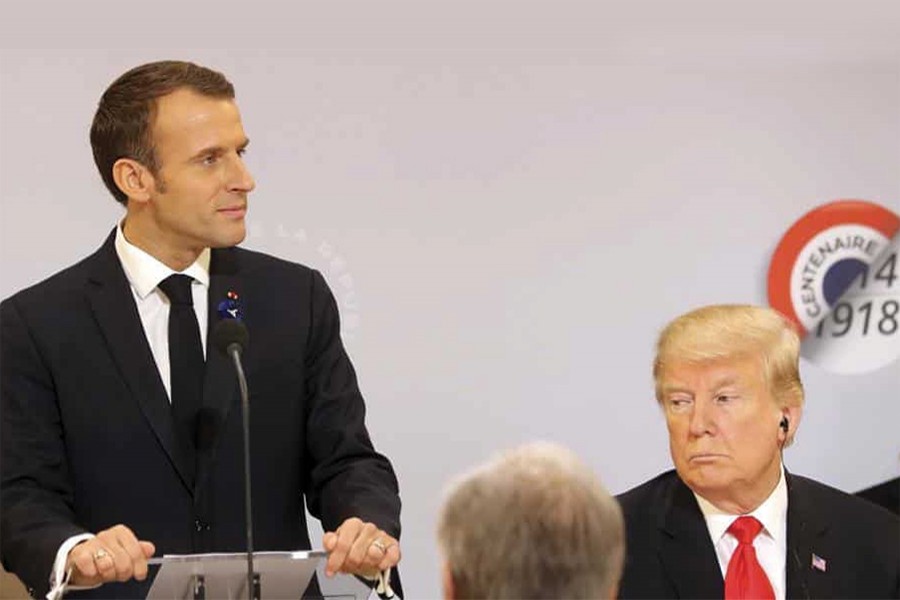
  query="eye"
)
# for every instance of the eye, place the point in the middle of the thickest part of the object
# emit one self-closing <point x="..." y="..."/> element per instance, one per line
<point x="678" y="404"/>
<point x="724" y="399"/>
<point x="241" y="152"/>
<point x="209" y="159"/>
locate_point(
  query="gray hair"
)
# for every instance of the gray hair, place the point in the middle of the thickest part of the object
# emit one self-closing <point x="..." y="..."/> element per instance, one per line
<point x="534" y="522"/>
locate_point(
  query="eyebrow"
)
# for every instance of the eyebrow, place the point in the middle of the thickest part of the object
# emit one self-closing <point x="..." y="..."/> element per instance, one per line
<point x="673" y="389"/>
<point x="717" y="384"/>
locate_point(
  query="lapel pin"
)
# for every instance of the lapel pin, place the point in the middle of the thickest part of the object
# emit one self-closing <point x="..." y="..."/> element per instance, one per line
<point x="818" y="563"/>
<point x="230" y="307"/>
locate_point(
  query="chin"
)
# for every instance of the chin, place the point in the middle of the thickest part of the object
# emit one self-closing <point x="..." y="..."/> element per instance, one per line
<point x="703" y="479"/>
<point x="228" y="240"/>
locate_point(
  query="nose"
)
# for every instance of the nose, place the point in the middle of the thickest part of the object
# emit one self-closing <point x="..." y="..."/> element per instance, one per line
<point x="701" y="422"/>
<point x="239" y="177"/>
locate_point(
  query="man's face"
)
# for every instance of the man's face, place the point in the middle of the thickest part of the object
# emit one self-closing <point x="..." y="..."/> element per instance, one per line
<point x="199" y="196"/>
<point x="724" y="432"/>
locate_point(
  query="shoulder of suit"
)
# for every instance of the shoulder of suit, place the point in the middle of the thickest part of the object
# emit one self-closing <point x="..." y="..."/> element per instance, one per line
<point x="648" y="495"/>
<point x="54" y="288"/>
<point x="252" y="259"/>
<point x="842" y="504"/>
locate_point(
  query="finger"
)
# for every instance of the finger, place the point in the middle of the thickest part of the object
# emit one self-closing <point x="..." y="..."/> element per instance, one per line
<point x="124" y="568"/>
<point x="81" y="561"/>
<point x="346" y="534"/>
<point x="148" y="548"/>
<point x="329" y="540"/>
<point x="104" y="560"/>
<point x="358" y="558"/>
<point x="112" y="560"/>
<point x="127" y="555"/>
<point x="134" y="553"/>
<point x="391" y="557"/>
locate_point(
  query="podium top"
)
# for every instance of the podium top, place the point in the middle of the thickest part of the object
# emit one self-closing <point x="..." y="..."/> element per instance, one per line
<point x="229" y="556"/>
<point x="224" y="575"/>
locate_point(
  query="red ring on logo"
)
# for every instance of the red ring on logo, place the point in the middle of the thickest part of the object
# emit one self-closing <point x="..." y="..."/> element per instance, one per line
<point x="839" y="212"/>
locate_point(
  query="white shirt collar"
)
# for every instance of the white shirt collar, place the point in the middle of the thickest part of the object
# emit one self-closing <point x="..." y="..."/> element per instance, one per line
<point x="145" y="272"/>
<point x="772" y="513"/>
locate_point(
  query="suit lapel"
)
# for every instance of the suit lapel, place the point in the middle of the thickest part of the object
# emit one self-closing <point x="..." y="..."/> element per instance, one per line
<point x="686" y="551"/>
<point x="805" y="531"/>
<point x="220" y="389"/>
<point x="115" y="311"/>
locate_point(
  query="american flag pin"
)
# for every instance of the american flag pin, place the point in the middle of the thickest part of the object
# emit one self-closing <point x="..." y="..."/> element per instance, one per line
<point x="818" y="562"/>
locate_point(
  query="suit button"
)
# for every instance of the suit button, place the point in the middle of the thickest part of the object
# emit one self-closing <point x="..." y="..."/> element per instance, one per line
<point x="201" y="525"/>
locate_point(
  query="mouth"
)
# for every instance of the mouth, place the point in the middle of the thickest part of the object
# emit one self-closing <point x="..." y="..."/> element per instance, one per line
<point x="234" y="212"/>
<point x="706" y="457"/>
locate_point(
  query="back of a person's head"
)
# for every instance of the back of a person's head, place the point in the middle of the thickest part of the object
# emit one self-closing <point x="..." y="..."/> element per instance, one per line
<point x="533" y="523"/>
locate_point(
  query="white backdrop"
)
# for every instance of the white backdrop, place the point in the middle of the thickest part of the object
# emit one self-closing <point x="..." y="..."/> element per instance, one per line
<point x="508" y="199"/>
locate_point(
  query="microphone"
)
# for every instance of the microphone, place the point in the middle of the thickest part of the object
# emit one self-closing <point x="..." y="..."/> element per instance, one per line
<point x="230" y="336"/>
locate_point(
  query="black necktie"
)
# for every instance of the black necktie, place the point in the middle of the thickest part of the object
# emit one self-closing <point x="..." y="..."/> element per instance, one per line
<point x="186" y="362"/>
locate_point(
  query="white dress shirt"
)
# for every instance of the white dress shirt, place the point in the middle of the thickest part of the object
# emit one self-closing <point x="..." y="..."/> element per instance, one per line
<point x="144" y="273"/>
<point x="770" y="544"/>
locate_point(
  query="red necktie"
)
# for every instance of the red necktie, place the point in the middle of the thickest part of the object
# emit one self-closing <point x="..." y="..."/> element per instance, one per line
<point x="745" y="578"/>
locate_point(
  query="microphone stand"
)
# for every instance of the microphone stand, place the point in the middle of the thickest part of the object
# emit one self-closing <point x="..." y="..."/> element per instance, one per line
<point x="253" y="587"/>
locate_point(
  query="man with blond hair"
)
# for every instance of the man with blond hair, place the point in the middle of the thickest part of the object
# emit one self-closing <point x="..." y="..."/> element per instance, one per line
<point x="729" y="521"/>
<point x="534" y="522"/>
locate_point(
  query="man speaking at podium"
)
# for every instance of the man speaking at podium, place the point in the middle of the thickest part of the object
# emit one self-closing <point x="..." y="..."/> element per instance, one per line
<point x="730" y="522"/>
<point x="121" y="424"/>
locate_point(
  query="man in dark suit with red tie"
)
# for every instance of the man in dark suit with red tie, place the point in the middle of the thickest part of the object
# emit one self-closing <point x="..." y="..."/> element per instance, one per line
<point x="729" y="521"/>
<point x="121" y="431"/>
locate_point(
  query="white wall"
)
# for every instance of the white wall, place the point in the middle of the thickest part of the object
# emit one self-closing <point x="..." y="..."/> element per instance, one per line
<point x="520" y="196"/>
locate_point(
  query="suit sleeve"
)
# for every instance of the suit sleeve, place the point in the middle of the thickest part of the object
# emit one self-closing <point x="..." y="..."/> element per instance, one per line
<point x="348" y="478"/>
<point x="35" y="486"/>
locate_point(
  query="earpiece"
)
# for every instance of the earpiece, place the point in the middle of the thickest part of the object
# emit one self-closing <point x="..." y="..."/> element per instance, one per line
<point x="785" y="424"/>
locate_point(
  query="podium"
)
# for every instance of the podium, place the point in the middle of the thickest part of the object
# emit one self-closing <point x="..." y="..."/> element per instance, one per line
<point x="277" y="575"/>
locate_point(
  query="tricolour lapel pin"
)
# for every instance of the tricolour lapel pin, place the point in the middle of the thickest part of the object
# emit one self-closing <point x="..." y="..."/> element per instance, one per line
<point x="230" y="307"/>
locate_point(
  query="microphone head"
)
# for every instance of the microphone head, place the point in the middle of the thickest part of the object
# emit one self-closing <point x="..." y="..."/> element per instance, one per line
<point x="228" y="333"/>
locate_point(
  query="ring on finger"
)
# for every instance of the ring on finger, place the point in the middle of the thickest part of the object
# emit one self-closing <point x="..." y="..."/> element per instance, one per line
<point x="379" y="544"/>
<point x="100" y="553"/>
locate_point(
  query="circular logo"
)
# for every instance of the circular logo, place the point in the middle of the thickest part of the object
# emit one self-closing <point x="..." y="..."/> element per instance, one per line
<point x="835" y="274"/>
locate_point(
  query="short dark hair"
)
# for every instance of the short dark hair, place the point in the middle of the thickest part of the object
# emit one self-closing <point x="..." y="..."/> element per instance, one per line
<point x="122" y="126"/>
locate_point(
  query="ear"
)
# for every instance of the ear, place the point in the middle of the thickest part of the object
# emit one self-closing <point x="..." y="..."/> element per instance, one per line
<point x="447" y="581"/>
<point x="792" y="414"/>
<point x="134" y="179"/>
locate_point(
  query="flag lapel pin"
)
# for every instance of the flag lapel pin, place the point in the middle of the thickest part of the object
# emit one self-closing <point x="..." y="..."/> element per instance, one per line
<point x="818" y="562"/>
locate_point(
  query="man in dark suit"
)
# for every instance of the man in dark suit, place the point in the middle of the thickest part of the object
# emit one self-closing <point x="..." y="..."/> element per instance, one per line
<point x="729" y="521"/>
<point x="113" y="449"/>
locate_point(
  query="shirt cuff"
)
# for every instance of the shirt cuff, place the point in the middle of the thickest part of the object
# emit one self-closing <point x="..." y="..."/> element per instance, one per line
<point x="59" y="577"/>
<point x="382" y="584"/>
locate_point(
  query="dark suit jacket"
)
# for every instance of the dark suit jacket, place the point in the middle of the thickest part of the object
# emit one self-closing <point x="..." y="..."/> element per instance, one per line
<point x="670" y="553"/>
<point x="88" y="438"/>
